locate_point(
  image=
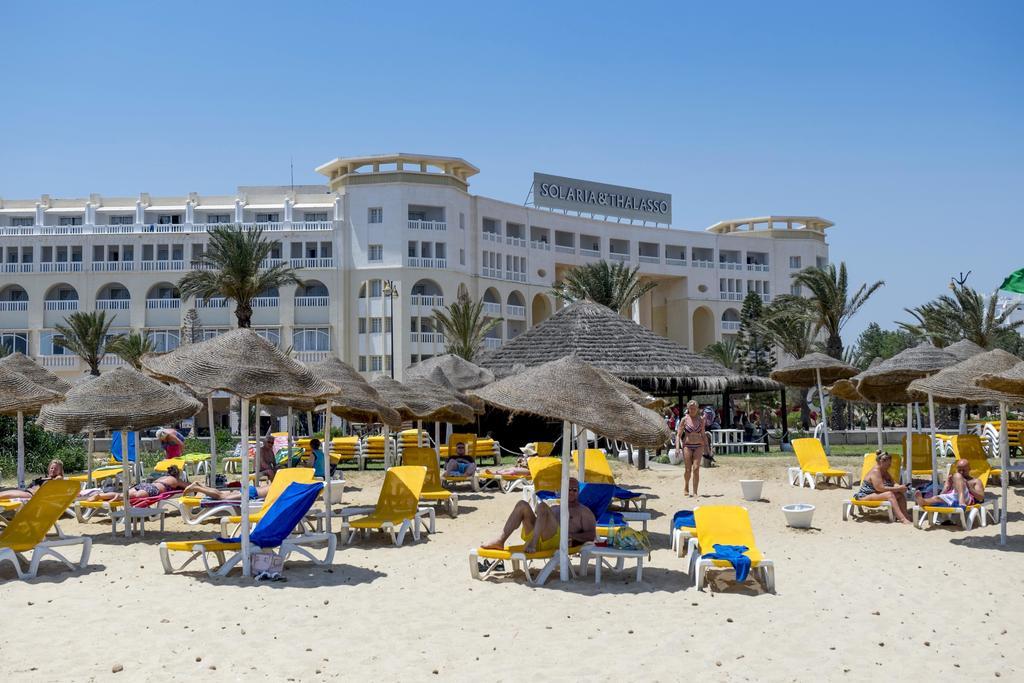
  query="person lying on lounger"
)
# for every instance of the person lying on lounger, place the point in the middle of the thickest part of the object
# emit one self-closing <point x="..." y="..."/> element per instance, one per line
<point x="960" y="490"/>
<point x="879" y="485"/>
<point x="55" y="470"/>
<point x="196" y="488"/>
<point x="169" y="482"/>
<point x="540" y="529"/>
<point x="459" y="465"/>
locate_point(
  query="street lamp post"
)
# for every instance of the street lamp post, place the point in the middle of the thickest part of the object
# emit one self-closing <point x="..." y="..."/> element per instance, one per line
<point x="391" y="291"/>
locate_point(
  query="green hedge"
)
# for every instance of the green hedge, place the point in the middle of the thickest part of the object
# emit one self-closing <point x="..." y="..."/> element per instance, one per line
<point x="40" y="448"/>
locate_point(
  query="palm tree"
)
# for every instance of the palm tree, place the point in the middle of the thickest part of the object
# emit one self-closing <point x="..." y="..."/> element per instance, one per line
<point x="131" y="347"/>
<point x="789" y="320"/>
<point x="966" y="314"/>
<point x="725" y="353"/>
<point x="231" y="267"/>
<point x="464" y="326"/>
<point x="86" y="335"/>
<point x="832" y="305"/>
<point x="615" y="286"/>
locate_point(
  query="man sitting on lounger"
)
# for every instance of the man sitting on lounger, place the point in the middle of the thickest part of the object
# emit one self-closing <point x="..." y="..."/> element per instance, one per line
<point x="196" y="488"/>
<point x="879" y="485"/>
<point x="540" y="529"/>
<point x="960" y="490"/>
<point x="460" y="465"/>
<point x="169" y="482"/>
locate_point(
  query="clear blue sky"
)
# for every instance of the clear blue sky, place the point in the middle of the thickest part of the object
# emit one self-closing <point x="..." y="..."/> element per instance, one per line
<point x="900" y="121"/>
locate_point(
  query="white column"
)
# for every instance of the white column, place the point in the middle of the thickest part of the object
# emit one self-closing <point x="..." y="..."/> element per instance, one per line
<point x="931" y="425"/>
<point x="212" y="475"/>
<point x="140" y="214"/>
<point x="878" y="419"/>
<point x="244" y="433"/>
<point x="909" y="450"/>
<point x="190" y="212"/>
<point x="1004" y="463"/>
<point x="327" y="467"/>
<point x="581" y="454"/>
<point x="126" y="481"/>
<point x="239" y="211"/>
<point x="824" y="412"/>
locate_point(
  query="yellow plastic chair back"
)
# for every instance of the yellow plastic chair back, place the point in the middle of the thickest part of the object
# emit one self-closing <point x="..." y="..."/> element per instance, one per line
<point x="425" y="457"/>
<point x="165" y="464"/>
<point x="29" y="526"/>
<point x="282" y="478"/>
<point x="544" y="448"/>
<point x="724" y="525"/>
<point x="980" y="470"/>
<point x="598" y="471"/>
<point x="468" y="439"/>
<point x="968" y="447"/>
<point x="869" y="464"/>
<point x="546" y="473"/>
<point x="922" y="451"/>
<point x="810" y="454"/>
<point x="400" y="493"/>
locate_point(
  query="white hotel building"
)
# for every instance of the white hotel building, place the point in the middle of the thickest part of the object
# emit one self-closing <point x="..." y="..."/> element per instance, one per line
<point x="405" y="218"/>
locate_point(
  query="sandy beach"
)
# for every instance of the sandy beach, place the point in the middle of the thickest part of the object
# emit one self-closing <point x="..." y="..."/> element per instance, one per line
<point x="854" y="600"/>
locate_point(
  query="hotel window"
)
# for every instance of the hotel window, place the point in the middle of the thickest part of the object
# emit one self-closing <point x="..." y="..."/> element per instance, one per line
<point x="376" y="252"/>
<point x="218" y="218"/>
<point x="376" y="289"/>
<point x="311" y="339"/>
<point x="271" y="334"/>
<point x="362" y="363"/>
<point x="315" y="216"/>
<point x="210" y="333"/>
<point x="375" y="214"/>
<point x="794" y="262"/>
<point x="462" y="221"/>
<point x="362" y="326"/>
<point x="122" y="220"/>
<point x="821" y="261"/>
<point x="376" y="363"/>
<point x="375" y="325"/>
<point x="795" y="290"/>
<point x="15" y="342"/>
<point x="49" y="344"/>
<point x="168" y="219"/>
<point x="268" y="217"/>
<point x="70" y="220"/>
<point x="163" y="340"/>
<point x="462" y="257"/>
<point x="22" y="221"/>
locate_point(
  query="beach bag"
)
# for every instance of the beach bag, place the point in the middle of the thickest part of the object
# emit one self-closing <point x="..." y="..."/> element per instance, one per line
<point x="626" y="538"/>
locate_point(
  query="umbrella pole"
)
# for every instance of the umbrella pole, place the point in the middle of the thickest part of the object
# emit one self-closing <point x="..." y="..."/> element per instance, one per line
<point x="437" y="440"/>
<point x="21" y="450"/>
<point x="290" y="440"/>
<point x="88" y="460"/>
<point x="1004" y="463"/>
<point x="824" y="414"/>
<point x="563" y="505"/>
<point x="908" y="449"/>
<point x="962" y="427"/>
<point x="581" y="454"/>
<point x="212" y="474"/>
<point x="327" y="472"/>
<point x="309" y="422"/>
<point x="246" y="569"/>
<point x="878" y="421"/>
<point x="931" y="427"/>
<point x="419" y="433"/>
<point x="127" y="481"/>
<point x="137" y="438"/>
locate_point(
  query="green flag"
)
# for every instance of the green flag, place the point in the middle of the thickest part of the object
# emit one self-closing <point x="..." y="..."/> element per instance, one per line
<point x="1014" y="283"/>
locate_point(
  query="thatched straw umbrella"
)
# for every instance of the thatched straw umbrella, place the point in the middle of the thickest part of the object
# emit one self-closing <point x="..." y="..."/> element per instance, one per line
<point x="888" y="381"/>
<point x="813" y="370"/>
<point x="570" y="390"/>
<point x="423" y="400"/>
<point x="122" y="399"/>
<point x="243" y="363"/>
<point x="24" y="365"/>
<point x="1010" y="382"/>
<point x="963" y="349"/>
<point x="460" y="373"/>
<point x="20" y="395"/>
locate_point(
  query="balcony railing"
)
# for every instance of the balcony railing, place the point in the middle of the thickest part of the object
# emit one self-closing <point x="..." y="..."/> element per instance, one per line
<point x="271" y="262"/>
<point x="156" y="228"/>
<point x="327" y="262"/>
<point x="171" y="265"/>
<point x="515" y="277"/>
<point x="312" y="301"/>
<point x="731" y="296"/>
<point x="593" y="253"/>
<point x="311" y="356"/>
<point x="420" y="262"/>
<point x="564" y="249"/>
<point x="152" y="304"/>
<point x="515" y="241"/>
<point x="427" y="225"/>
<point x="429" y="300"/>
<point x="8" y="306"/>
<point x="113" y="359"/>
<point x="618" y="257"/>
<point x="265" y="302"/>
<point x="491" y="272"/>
<point x="675" y="261"/>
<point x="516" y="311"/>
<point x="217" y="302"/>
<point x="492" y="308"/>
<point x="649" y="259"/>
<point x="492" y="237"/>
<point x="61" y="229"/>
<point x="60" y="267"/>
<point x="730" y="265"/>
<point x="68" y="360"/>
<point x="427" y="337"/>
<point x="113" y="304"/>
<point x="58" y="305"/>
<point x="758" y="267"/>
<point x="730" y="325"/>
<point x="18" y="267"/>
<point x="701" y="263"/>
<point x="112" y="266"/>
<point x="493" y="342"/>
<point x="543" y="246"/>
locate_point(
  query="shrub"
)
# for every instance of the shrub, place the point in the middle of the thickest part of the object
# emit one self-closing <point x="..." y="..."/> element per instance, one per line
<point x="225" y="443"/>
<point x="40" y="448"/>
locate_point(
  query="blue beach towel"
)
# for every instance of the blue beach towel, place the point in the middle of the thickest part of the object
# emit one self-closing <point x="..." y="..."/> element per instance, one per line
<point x="683" y="518"/>
<point x="625" y="494"/>
<point x="598" y="497"/>
<point x="734" y="555"/>
<point x="283" y="516"/>
<point x="115" y="446"/>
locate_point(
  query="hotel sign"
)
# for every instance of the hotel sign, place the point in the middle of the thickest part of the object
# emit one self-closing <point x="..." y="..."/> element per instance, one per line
<point x="585" y="196"/>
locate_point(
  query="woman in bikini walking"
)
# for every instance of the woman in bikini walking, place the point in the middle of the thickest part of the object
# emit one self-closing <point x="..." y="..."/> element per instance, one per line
<point x="692" y="440"/>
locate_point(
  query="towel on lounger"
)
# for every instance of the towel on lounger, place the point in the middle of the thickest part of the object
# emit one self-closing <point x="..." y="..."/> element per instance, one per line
<point x="683" y="518"/>
<point x="734" y="555"/>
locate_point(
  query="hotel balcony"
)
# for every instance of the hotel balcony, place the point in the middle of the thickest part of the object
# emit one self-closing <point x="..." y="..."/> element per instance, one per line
<point x="675" y="261"/>
<point x="420" y="262"/>
<point x="57" y="305"/>
<point x="515" y="241"/>
<point x="311" y="356"/>
<point x="112" y="360"/>
<point x="216" y="302"/>
<point x="758" y="267"/>
<point x="12" y="306"/>
<point x="515" y="277"/>
<point x="163" y="304"/>
<point x="60" y="267"/>
<point x="493" y="342"/>
<point x="265" y="301"/>
<point x="172" y="266"/>
<point x="427" y="225"/>
<point x="18" y="267"/>
<point x="113" y="304"/>
<point x="491" y="237"/>
<point x="113" y="266"/>
<point x="518" y="312"/>
<point x="566" y="249"/>
<point x="731" y="296"/>
<point x="592" y="253"/>
<point x="158" y="228"/>
<point x="312" y="301"/>
<point x="424" y="304"/>
<point x="491" y="272"/>
<point x="543" y="246"/>
<point x="730" y="265"/>
<point x="492" y="309"/>
<point x="327" y="262"/>
<point x="67" y="360"/>
<point x="624" y="258"/>
<point x="730" y="325"/>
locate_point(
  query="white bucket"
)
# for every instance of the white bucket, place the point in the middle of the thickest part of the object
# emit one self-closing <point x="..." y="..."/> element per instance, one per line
<point x="675" y="457"/>
<point x="798" y="515"/>
<point x="751" y="488"/>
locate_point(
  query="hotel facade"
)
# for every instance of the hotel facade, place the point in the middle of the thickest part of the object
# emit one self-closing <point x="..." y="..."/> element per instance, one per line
<point x="384" y="242"/>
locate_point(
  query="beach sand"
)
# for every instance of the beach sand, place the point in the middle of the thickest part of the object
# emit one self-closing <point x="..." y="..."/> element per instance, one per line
<point x="855" y="600"/>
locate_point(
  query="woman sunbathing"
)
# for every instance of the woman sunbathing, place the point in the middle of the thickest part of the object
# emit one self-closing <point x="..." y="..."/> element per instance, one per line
<point x="225" y="494"/>
<point x="159" y="486"/>
<point x="55" y="470"/>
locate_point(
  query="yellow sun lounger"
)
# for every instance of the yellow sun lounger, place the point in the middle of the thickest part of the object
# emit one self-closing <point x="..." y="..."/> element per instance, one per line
<point x="27" y="531"/>
<point x="968" y="447"/>
<point x="921" y="466"/>
<point x="519" y="560"/>
<point x="98" y="475"/>
<point x="725" y="525"/>
<point x="432" y="491"/>
<point x="282" y="478"/>
<point x="85" y="510"/>
<point x="853" y="506"/>
<point x="598" y="471"/>
<point x="397" y="511"/>
<point x="967" y="516"/>
<point x="814" y="464"/>
<point x="194" y="512"/>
